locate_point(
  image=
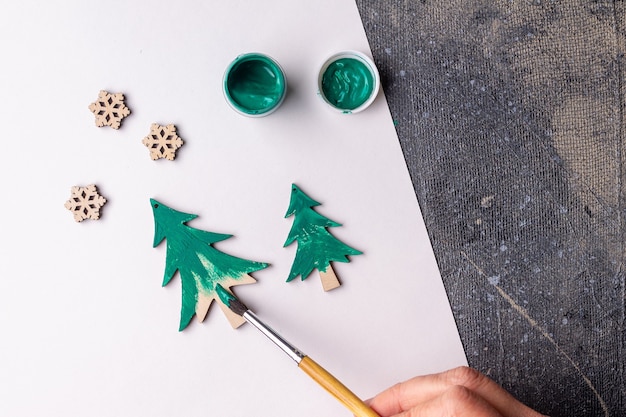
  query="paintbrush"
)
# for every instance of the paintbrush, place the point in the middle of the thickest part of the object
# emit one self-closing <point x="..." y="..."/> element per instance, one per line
<point x="308" y="365"/>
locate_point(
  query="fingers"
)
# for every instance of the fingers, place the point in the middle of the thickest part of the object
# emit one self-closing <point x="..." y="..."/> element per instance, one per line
<point x="457" y="401"/>
<point x="421" y="389"/>
<point x="426" y="389"/>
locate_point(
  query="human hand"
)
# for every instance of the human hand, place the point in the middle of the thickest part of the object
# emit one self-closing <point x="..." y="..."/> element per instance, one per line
<point x="459" y="392"/>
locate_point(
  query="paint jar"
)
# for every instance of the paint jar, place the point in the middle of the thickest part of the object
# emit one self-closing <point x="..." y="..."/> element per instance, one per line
<point x="254" y="85"/>
<point x="348" y="82"/>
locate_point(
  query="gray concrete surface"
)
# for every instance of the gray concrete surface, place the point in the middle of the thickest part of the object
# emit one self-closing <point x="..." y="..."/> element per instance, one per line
<point x="511" y="119"/>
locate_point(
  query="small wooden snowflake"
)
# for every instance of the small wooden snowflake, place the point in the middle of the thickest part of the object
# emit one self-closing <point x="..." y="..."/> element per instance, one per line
<point x="109" y="109"/>
<point x="162" y="141"/>
<point x="85" y="203"/>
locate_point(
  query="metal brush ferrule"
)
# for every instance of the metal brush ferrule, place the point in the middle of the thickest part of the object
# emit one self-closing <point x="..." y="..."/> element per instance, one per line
<point x="288" y="348"/>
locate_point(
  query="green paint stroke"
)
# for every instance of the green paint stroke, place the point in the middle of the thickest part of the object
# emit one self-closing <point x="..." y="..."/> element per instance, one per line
<point x="224" y="295"/>
<point x="190" y="252"/>
<point x="316" y="246"/>
<point x="255" y="84"/>
<point x="347" y="83"/>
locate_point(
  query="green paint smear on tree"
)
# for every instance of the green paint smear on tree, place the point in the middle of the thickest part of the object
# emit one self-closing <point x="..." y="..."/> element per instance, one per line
<point x="224" y="295"/>
<point x="316" y="246"/>
<point x="255" y="84"/>
<point x="190" y="252"/>
<point x="347" y="83"/>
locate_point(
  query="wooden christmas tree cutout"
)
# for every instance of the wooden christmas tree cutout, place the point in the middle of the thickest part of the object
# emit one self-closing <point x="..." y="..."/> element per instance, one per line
<point x="109" y="109"/>
<point x="201" y="266"/>
<point x="162" y="141"/>
<point x="85" y="203"/>
<point x="317" y="248"/>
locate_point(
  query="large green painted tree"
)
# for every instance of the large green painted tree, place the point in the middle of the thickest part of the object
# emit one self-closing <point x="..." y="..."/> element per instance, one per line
<point x="201" y="267"/>
<point x="317" y="248"/>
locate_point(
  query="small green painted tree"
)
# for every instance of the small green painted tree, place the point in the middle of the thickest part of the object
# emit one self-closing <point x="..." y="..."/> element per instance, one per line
<point x="201" y="266"/>
<point x="317" y="248"/>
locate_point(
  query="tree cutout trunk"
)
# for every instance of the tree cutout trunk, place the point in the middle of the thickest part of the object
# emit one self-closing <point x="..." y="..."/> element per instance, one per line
<point x="329" y="279"/>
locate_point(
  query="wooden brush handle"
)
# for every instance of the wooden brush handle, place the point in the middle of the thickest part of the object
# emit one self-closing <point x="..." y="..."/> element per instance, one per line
<point x="336" y="388"/>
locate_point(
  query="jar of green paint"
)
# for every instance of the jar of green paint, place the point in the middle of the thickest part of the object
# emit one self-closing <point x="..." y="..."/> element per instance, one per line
<point x="348" y="82"/>
<point x="254" y="84"/>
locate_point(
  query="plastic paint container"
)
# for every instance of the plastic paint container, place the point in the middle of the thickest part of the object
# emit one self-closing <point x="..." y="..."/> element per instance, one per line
<point x="254" y="85"/>
<point x="348" y="82"/>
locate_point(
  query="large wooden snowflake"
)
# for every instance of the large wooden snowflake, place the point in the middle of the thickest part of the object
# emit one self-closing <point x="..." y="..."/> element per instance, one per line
<point x="109" y="109"/>
<point x="162" y="141"/>
<point x="85" y="203"/>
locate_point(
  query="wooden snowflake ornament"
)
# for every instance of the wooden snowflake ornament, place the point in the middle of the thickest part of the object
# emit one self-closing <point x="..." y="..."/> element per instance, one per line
<point x="85" y="203"/>
<point x="109" y="109"/>
<point x="162" y="141"/>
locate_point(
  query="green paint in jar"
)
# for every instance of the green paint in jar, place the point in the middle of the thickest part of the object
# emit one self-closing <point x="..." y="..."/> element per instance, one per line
<point x="349" y="82"/>
<point x="254" y="85"/>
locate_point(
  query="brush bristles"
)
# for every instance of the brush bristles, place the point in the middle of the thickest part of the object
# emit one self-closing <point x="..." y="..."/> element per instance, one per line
<point x="237" y="307"/>
<point x="231" y="301"/>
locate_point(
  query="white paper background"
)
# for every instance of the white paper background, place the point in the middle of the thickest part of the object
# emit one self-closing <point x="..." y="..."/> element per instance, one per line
<point x="85" y="326"/>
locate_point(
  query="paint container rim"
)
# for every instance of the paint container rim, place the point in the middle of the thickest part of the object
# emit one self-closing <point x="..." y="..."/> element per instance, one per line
<point x="278" y="72"/>
<point x="359" y="56"/>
